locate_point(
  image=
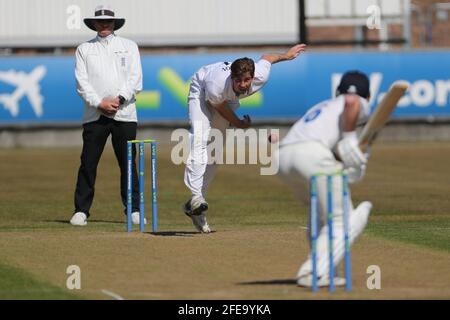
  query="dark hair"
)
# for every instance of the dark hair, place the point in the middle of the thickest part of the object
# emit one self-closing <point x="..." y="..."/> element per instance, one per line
<point x="241" y="66"/>
<point x="354" y="82"/>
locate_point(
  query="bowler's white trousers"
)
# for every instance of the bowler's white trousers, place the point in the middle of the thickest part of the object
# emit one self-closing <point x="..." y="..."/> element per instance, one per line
<point x="199" y="173"/>
<point x="297" y="163"/>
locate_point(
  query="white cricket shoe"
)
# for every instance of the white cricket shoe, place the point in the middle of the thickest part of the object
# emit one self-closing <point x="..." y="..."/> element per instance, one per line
<point x="200" y="223"/>
<point x="306" y="281"/>
<point x="135" y="218"/>
<point x="79" y="219"/>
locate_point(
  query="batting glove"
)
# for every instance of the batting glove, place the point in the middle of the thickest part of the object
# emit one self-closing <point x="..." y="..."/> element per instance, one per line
<point x="349" y="151"/>
<point x="356" y="174"/>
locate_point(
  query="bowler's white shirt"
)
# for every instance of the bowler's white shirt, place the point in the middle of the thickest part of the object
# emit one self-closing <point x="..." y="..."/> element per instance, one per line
<point x="216" y="84"/>
<point x="322" y="123"/>
<point x="109" y="66"/>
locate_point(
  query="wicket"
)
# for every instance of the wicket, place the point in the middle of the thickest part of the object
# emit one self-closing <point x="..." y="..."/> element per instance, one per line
<point x="314" y="225"/>
<point x="141" y="144"/>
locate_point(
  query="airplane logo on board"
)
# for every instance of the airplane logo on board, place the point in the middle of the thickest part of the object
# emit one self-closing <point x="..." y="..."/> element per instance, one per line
<point x="26" y="85"/>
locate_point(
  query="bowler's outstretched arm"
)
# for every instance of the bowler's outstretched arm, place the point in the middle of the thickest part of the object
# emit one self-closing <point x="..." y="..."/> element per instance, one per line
<point x="291" y="54"/>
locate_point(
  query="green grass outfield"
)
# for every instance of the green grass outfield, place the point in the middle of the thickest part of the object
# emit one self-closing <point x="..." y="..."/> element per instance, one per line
<point x="258" y="245"/>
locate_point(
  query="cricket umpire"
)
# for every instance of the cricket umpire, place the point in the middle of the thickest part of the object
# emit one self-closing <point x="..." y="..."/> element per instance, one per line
<point x="108" y="74"/>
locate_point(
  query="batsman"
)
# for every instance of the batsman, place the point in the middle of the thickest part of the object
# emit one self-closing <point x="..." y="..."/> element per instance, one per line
<point x="324" y="141"/>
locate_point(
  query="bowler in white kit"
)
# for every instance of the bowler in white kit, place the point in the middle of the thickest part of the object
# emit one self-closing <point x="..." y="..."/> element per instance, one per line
<point x="324" y="141"/>
<point x="214" y="94"/>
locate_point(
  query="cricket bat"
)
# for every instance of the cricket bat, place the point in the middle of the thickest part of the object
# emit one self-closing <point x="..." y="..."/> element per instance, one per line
<point x="382" y="113"/>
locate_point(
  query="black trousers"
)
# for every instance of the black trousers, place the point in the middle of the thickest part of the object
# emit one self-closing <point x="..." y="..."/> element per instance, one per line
<point x="95" y="135"/>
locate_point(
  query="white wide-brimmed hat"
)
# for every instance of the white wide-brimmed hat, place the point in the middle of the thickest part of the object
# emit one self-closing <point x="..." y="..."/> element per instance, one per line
<point x="104" y="12"/>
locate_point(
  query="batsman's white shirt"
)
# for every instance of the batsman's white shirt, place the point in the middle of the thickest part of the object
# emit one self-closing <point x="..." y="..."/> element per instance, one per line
<point x="212" y="83"/>
<point x="322" y="123"/>
<point x="108" y="67"/>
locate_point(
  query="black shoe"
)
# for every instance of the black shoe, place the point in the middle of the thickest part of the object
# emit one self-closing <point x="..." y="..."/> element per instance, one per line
<point x="187" y="208"/>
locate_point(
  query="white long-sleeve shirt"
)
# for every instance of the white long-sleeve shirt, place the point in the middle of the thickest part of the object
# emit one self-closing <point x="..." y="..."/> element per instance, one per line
<point x="109" y="66"/>
<point x="214" y="81"/>
<point x="323" y="123"/>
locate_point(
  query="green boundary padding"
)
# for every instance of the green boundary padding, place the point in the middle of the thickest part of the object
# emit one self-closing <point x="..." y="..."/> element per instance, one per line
<point x="253" y="101"/>
<point x="176" y="86"/>
<point x="148" y="100"/>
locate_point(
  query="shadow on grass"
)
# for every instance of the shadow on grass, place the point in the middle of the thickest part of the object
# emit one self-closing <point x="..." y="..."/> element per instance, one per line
<point x="274" y="282"/>
<point x="89" y="221"/>
<point x="176" y="233"/>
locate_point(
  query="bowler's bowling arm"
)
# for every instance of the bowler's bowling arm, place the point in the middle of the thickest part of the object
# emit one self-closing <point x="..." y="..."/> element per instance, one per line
<point x="229" y="114"/>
